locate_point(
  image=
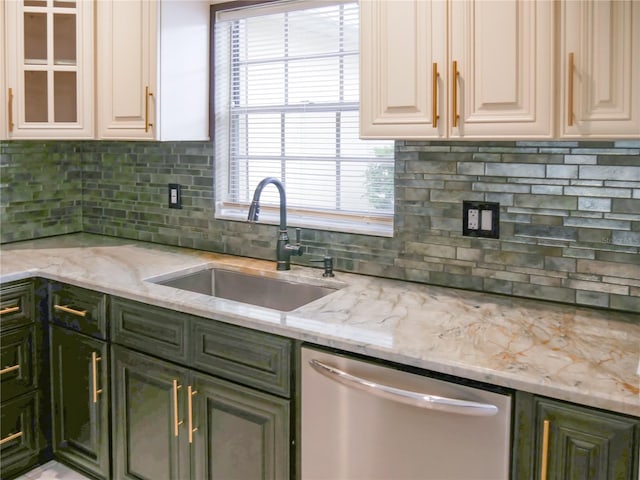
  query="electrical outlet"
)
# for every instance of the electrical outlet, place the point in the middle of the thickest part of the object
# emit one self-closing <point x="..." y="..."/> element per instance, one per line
<point x="472" y="219"/>
<point x="175" y="195"/>
<point x="481" y="219"/>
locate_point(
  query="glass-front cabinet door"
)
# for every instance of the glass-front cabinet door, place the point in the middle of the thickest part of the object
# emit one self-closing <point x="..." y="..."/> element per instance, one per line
<point x="49" y="55"/>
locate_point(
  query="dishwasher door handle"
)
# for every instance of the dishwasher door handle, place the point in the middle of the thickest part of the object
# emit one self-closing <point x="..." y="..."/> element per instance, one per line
<point x="416" y="399"/>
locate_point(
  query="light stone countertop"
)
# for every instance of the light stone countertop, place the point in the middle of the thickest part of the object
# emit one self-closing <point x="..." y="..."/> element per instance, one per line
<point x="587" y="356"/>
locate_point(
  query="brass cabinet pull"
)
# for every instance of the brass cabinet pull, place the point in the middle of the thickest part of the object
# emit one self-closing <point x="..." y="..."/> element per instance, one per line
<point x="545" y="450"/>
<point x="10" y="369"/>
<point x="570" y="91"/>
<point x="434" y="95"/>
<point x="72" y="311"/>
<point x="10" y="109"/>
<point x="94" y="367"/>
<point x="4" y="311"/>
<point x="190" y="394"/>
<point x="147" y="123"/>
<point x="454" y="88"/>
<point x="8" y="438"/>
<point x="176" y="423"/>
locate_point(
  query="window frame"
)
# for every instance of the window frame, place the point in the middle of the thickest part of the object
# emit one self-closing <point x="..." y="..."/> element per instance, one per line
<point x="330" y="220"/>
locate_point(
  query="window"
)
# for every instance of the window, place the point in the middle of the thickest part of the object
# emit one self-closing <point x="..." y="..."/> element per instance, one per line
<point x="287" y="106"/>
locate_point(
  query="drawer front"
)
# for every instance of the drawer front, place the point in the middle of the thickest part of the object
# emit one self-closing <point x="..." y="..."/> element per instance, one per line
<point x="149" y="329"/>
<point x="19" y="354"/>
<point x="79" y="309"/>
<point x="19" y="434"/>
<point x="16" y="305"/>
<point x="241" y="355"/>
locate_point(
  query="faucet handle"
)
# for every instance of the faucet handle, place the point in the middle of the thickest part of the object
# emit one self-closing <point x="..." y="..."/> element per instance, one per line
<point x="298" y="233"/>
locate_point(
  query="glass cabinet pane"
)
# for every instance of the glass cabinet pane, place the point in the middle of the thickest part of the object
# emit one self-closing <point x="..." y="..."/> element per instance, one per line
<point x="64" y="39"/>
<point x="36" y="98"/>
<point x="64" y="97"/>
<point x="35" y="38"/>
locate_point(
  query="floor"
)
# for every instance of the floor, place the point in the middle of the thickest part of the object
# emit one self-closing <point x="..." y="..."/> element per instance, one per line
<point x="52" y="471"/>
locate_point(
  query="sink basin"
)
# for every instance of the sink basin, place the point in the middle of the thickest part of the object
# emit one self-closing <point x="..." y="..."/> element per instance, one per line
<point x="247" y="288"/>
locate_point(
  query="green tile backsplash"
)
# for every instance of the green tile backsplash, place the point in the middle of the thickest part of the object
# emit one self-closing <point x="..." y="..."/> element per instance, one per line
<point x="570" y="212"/>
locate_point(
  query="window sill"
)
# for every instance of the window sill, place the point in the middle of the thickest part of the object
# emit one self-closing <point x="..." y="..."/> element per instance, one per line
<point x="379" y="227"/>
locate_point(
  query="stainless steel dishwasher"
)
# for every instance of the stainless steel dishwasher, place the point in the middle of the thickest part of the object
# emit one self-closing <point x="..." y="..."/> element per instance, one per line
<point x="363" y="421"/>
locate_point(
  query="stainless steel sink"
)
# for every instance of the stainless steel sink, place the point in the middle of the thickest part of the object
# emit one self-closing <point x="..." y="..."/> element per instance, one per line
<point x="247" y="288"/>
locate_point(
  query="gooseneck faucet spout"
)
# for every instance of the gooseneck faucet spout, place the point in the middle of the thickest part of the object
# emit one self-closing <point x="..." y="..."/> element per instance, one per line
<point x="284" y="250"/>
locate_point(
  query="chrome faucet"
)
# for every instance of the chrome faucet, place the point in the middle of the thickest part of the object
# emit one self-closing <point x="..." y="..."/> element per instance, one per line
<point x="284" y="250"/>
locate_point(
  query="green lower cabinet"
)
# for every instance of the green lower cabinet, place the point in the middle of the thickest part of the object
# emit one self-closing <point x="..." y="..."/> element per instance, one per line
<point x="172" y="423"/>
<point x="241" y="433"/>
<point x="20" y="441"/>
<point x="560" y="441"/>
<point x="80" y="401"/>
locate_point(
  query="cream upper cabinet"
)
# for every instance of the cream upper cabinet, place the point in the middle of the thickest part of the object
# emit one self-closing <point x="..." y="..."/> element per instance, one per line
<point x="4" y="107"/>
<point x="400" y="42"/>
<point x="48" y="90"/>
<point x="486" y="72"/>
<point x="153" y="69"/>
<point x="502" y="83"/>
<point x="600" y="69"/>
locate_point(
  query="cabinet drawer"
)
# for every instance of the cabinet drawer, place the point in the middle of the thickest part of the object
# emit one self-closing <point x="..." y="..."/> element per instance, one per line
<point x="157" y="331"/>
<point x="19" y="353"/>
<point x="245" y="356"/>
<point x="19" y="434"/>
<point x="16" y="305"/>
<point x="79" y="309"/>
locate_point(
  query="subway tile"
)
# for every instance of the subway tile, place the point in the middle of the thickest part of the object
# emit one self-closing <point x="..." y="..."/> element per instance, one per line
<point x="598" y="192"/>
<point x="610" y="172"/>
<point x="594" y="204"/>
<point x="515" y="170"/>
<point x="562" y="171"/>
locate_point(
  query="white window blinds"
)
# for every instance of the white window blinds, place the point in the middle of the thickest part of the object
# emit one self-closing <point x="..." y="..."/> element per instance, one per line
<point x="287" y="106"/>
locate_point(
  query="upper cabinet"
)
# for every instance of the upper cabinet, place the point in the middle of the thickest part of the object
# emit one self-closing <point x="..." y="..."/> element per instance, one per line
<point x="49" y="69"/>
<point x="487" y="72"/>
<point x="599" y="68"/>
<point x="153" y="69"/>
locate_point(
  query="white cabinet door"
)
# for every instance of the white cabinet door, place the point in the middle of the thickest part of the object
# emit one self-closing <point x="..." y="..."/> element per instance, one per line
<point x="401" y="41"/>
<point x="49" y="69"/>
<point x="127" y="65"/>
<point x="600" y="69"/>
<point x="153" y="70"/>
<point x="504" y="84"/>
<point x="503" y="53"/>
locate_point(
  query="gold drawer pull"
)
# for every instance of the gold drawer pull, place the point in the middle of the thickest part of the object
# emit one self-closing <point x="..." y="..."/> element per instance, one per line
<point x="13" y="436"/>
<point x="545" y="450"/>
<point x="94" y="367"/>
<point x="147" y="123"/>
<point x="10" y="105"/>
<point x="434" y="95"/>
<point x="176" y="422"/>
<point x="190" y="394"/>
<point x="72" y="311"/>
<point x="454" y="88"/>
<point x="570" y="74"/>
<point x="4" y="311"/>
<point x="10" y="369"/>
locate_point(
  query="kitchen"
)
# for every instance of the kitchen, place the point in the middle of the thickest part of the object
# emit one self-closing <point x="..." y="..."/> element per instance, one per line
<point x="568" y="224"/>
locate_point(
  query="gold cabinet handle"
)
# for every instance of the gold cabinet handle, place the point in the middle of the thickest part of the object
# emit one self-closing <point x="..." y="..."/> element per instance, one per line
<point x="454" y="89"/>
<point x="434" y="95"/>
<point x="570" y="90"/>
<point x="10" y="369"/>
<point x="176" y="423"/>
<point x="94" y="367"/>
<point x="545" y="450"/>
<point x="8" y="438"/>
<point x="147" y="123"/>
<point x="10" y="101"/>
<point x="72" y="311"/>
<point x="190" y="394"/>
<point x="4" y="311"/>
